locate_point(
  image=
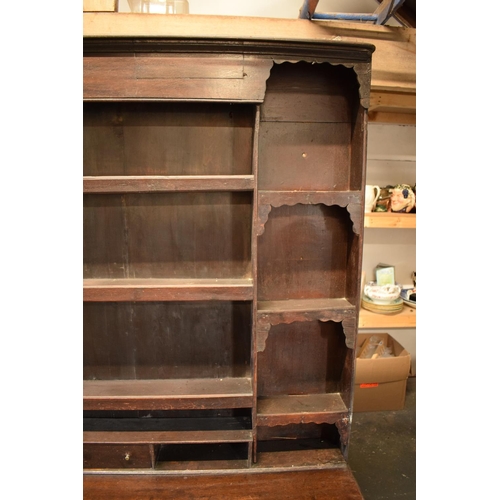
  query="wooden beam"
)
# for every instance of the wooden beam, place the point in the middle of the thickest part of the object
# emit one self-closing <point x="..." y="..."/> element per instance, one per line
<point x="395" y="118"/>
<point x="393" y="101"/>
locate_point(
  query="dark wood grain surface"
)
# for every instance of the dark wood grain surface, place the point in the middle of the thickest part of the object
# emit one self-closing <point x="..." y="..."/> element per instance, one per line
<point x="333" y="484"/>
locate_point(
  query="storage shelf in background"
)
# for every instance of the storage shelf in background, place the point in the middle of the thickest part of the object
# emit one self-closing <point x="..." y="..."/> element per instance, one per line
<point x="390" y="220"/>
<point x="407" y="318"/>
<point x="165" y="183"/>
<point x="300" y="409"/>
<point x="408" y="158"/>
<point x="126" y="290"/>
<point x="172" y="394"/>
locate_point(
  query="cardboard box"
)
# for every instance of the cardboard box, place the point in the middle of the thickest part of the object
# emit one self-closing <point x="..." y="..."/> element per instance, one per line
<point x="385" y="274"/>
<point x="380" y="383"/>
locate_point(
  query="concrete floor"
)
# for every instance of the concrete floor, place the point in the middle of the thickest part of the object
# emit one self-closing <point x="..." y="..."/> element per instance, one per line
<point x="382" y="450"/>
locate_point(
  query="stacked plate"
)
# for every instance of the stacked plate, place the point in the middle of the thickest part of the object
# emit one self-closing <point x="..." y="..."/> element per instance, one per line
<point x="409" y="296"/>
<point x="382" y="306"/>
<point x="382" y="299"/>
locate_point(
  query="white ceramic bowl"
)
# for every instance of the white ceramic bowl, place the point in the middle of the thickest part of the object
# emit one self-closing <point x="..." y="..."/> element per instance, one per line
<point x="382" y="293"/>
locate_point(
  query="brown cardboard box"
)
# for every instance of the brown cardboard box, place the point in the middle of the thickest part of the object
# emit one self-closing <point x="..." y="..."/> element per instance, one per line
<point x="380" y="383"/>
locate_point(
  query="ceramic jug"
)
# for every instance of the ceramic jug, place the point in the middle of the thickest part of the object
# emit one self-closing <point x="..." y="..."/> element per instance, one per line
<point x="371" y="195"/>
<point x="402" y="198"/>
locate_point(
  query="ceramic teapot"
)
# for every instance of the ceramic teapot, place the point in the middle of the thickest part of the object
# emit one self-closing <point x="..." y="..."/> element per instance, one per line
<point x="371" y="196"/>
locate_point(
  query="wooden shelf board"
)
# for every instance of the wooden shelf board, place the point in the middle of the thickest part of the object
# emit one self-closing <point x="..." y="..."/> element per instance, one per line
<point x="308" y="408"/>
<point x="125" y="290"/>
<point x="164" y="183"/>
<point x="167" y="394"/>
<point x="173" y="437"/>
<point x="303" y="305"/>
<point x="407" y="318"/>
<point x="287" y="197"/>
<point x="300" y="459"/>
<point x="392" y="158"/>
<point x="390" y="220"/>
<point x="407" y="117"/>
<point x="199" y="466"/>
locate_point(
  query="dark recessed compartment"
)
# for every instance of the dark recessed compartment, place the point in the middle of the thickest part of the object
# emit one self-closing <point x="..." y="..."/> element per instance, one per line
<point x="170" y="139"/>
<point x="167" y="235"/>
<point x="302" y="358"/>
<point x="309" y="121"/>
<point x="300" y="446"/>
<point x="304" y="253"/>
<point x="206" y="456"/>
<point x="166" y="340"/>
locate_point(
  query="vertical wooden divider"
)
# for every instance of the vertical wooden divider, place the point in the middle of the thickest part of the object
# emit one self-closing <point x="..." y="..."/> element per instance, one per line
<point x="255" y="163"/>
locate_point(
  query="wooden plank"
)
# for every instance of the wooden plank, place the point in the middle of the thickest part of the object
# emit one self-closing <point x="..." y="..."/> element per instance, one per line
<point x="390" y="220"/>
<point x="158" y="437"/>
<point x="307" y="197"/>
<point x="175" y="66"/>
<point x="407" y="118"/>
<point x="304" y="305"/>
<point x="167" y="394"/>
<point x="159" y="183"/>
<point x="125" y="290"/>
<point x="407" y="318"/>
<point x="316" y="156"/>
<point x="225" y="77"/>
<point x="100" y="5"/>
<point x="393" y="107"/>
<point x="330" y="484"/>
<point x="196" y="466"/>
<point x="393" y="101"/>
<point x="394" y="59"/>
<point x="303" y="459"/>
<point x="295" y="409"/>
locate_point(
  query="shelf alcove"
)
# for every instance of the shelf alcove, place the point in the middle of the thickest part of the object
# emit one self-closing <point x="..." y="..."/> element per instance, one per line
<point x="133" y="354"/>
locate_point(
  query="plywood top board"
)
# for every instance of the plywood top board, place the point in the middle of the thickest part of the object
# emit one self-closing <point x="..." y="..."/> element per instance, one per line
<point x="394" y="59"/>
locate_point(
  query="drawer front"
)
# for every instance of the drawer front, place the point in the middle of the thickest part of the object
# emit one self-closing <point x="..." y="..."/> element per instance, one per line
<point x="98" y="456"/>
